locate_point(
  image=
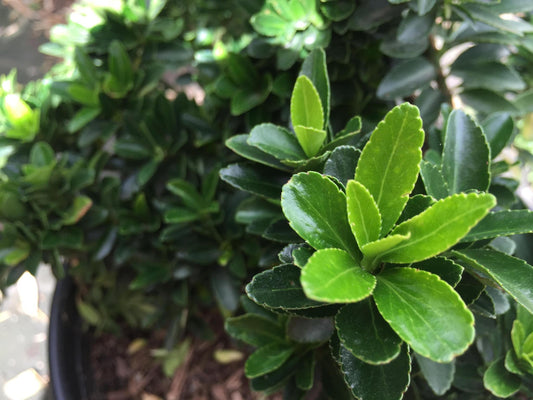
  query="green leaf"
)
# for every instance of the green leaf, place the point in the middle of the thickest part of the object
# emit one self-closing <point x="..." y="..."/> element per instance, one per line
<point x="254" y="329"/>
<point x="42" y="154"/>
<point x="499" y="381"/>
<point x="239" y="144"/>
<point x="439" y="376"/>
<point x="267" y="358"/>
<point x="77" y="210"/>
<point x="425" y="312"/>
<point x="466" y="155"/>
<point x="269" y="24"/>
<point x="332" y="275"/>
<point x="315" y="68"/>
<point x="486" y="15"/>
<point x="498" y="128"/>
<point x="388" y="166"/>
<point x="501" y="223"/>
<point x="316" y="210"/>
<point x="487" y="101"/>
<point x="446" y="269"/>
<point x="187" y="193"/>
<point x="364" y="332"/>
<point x="306" y="373"/>
<point x="310" y="330"/>
<point x="82" y="118"/>
<point x="279" y="287"/>
<point x="377" y="382"/>
<point x="254" y="179"/>
<point x="403" y="79"/>
<point x="342" y="162"/>
<point x="363" y="213"/>
<point x="515" y="276"/>
<point x="180" y="215"/>
<point x="433" y="180"/>
<point x="373" y="250"/>
<point x="439" y="227"/>
<point x="490" y="75"/>
<point x="247" y="98"/>
<point x="310" y="139"/>
<point x="276" y="141"/>
<point x="306" y="111"/>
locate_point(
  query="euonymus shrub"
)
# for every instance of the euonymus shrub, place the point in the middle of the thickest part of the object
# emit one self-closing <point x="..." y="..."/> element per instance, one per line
<point x="385" y="261"/>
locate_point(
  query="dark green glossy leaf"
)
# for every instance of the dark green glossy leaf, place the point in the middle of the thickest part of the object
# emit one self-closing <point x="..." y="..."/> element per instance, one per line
<point x="41" y="154"/>
<point x="403" y="79"/>
<point x="466" y="155"/>
<point x="239" y="144"/>
<point x="261" y="181"/>
<point x="487" y="101"/>
<point x="425" y="312"/>
<point x="279" y="288"/>
<point x="342" y="162"/>
<point x="486" y="15"/>
<point x="332" y="275"/>
<point x="490" y="75"/>
<point x="247" y="98"/>
<point x="267" y="358"/>
<point x="501" y="223"/>
<point x="371" y="14"/>
<point x="416" y="205"/>
<point x="364" y="332"/>
<point x="306" y="373"/>
<point x="446" y="269"/>
<point x="315" y="68"/>
<point x="498" y="128"/>
<point x="316" y="210"/>
<point x="439" y="376"/>
<point x="225" y="289"/>
<point x="377" y="382"/>
<point x="277" y="142"/>
<point x="388" y="166"/>
<point x="499" y="381"/>
<point x="515" y="276"/>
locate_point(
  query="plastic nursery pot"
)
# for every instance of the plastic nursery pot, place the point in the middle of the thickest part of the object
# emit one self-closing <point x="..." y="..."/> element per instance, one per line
<point x="67" y="347"/>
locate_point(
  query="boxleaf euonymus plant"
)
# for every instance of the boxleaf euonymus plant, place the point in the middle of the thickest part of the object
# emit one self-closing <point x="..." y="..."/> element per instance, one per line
<point x="390" y="263"/>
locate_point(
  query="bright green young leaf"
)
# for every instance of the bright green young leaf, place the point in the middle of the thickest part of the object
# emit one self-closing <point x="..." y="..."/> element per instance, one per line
<point x="306" y="106"/>
<point x="364" y="332"/>
<point x="316" y="210"/>
<point x="279" y="287"/>
<point x="276" y="141"/>
<point x="499" y="381"/>
<point x="307" y="112"/>
<point x="267" y="358"/>
<point x="363" y="213"/>
<point x="501" y="223"/>
<point x="425" y="312"/>
<point x="439" y="376"/>
<point x="372" y="251"/>
<point x="466" y="155"/>
<point x="77" y="210"/>
<point x="310" y="139"/>
<point x="433" y="180"/>
<point x="377" y="382"/>
<point x="333" y="276"/>
<point x="439" y="227"/>
<point x="254" y="330"/>
<point x="515" y="276"/>
<point x="388" y="166"/>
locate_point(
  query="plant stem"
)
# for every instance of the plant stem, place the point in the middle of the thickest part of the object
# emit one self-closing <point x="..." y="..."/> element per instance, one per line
<point x="434" y="57"/>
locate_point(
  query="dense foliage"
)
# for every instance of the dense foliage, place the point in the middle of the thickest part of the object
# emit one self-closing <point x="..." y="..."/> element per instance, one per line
<point x="373" y="174"/>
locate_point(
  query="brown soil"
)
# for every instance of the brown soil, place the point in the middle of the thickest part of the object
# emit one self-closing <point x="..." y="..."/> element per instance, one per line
<point x="119" y="375"/>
